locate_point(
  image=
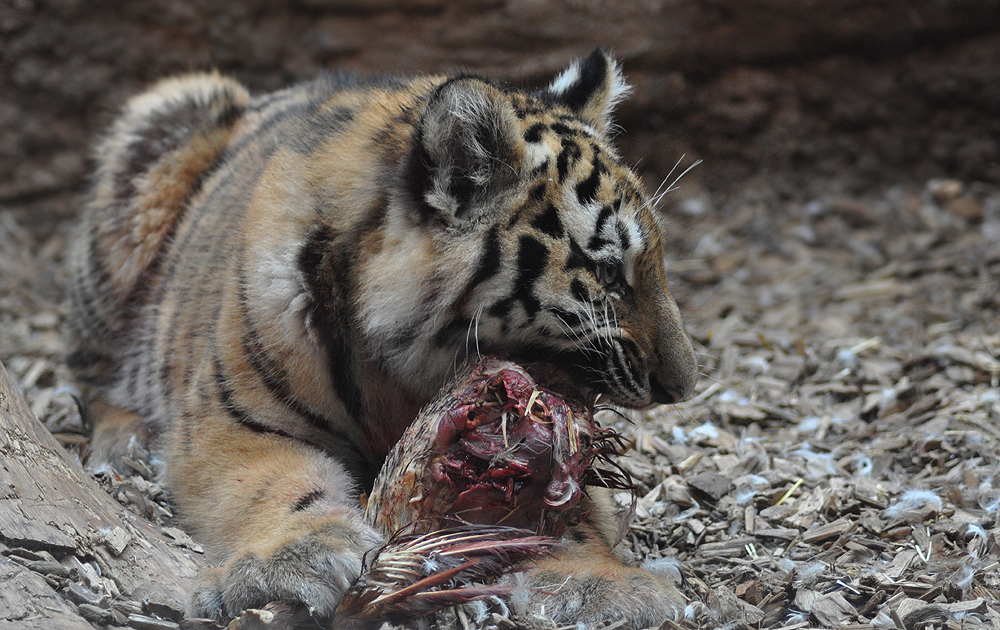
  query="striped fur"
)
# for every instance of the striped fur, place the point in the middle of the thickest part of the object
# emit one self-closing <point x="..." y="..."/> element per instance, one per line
<point x="268" y="289"/>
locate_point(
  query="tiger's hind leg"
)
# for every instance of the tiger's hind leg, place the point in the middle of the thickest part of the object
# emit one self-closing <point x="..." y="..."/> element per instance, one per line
<point x="150" y="165"/>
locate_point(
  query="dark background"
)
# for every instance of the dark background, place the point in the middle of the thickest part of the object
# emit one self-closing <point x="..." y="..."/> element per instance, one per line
<point x="801" y="97"/>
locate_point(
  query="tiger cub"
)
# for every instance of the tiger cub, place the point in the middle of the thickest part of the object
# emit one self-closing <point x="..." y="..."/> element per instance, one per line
<point x="267" y="289"/>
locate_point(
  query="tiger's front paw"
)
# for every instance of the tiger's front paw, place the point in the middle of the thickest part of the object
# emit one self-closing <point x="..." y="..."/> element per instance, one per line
<point x="562" y="594"/>
<point x="314" y="568"/>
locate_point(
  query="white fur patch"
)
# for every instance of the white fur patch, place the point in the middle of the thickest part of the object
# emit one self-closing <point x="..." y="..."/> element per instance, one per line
<point x="535" y="155"/>
<point x="277" y="290"/>
<point x="566" y="78"/>
<point x="619" y="89"/>
<point x="636" y="246"/>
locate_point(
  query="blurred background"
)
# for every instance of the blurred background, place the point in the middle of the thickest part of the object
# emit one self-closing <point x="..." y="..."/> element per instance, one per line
<point x="799" y="94"/>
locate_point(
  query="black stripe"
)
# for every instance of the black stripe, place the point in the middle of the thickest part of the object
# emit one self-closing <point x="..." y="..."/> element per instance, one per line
<point x="534" y="132"/>
<point x="320" y="126"/>
<point x="130" y="381"/>
<point x="101" y="285"/>
<point x="83" y="358"/>
<point x="323" y="268"/>
<point x="569" y="318"/>
<point x="186" y="419"/>
<point x="603" y="218"/>
<point x="344" y="449"/>
<point x="240" y="415"/>
<point x="272" y="374"/>
<point x="515" y="218"/>
<point x="308" y="500"/>
<point x="568" y="156"/>
<point x="401" y="339"/>
<point x="325" y="260"/>
<point x="627" y="353"/>
<point x="548" y="222"/>
<point x="275" y="119"/>
<point x="586" y="191"/>
<point x="616" y="367"/>
<point x="564" y="130"/>
<point x="578" y="259"/>
<point x="490" y="261"/>
<point x="454" y="332"/>
<point x="532" y="257"/>
<point x="597" y="241"/>
<point x="502" y="308"/>
<point x="630" y="349"/>
<point x="388" y="136"/>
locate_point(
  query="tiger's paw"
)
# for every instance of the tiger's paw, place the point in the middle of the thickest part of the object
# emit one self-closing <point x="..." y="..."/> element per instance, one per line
<point x="560" y="594"/>
<point x="313" y="569"/>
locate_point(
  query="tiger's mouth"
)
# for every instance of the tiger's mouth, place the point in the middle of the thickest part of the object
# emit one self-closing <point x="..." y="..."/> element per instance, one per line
<point x="562" y="381"/>
<point x="579" y="375"/>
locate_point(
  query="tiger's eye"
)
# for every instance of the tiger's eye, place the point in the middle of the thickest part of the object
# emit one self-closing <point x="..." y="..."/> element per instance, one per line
<point x="609" y="272"/>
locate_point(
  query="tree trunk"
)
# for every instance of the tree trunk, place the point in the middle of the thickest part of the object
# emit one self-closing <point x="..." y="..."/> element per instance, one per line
<point x="50" y="508"/>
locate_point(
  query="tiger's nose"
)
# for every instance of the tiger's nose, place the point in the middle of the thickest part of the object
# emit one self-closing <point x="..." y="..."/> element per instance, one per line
<point x="675" y="389"/>
<point x="664" y="395"/>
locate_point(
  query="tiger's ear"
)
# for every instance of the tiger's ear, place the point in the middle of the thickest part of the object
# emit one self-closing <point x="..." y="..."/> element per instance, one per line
<point x="591" y="88"/>
<point x="470" y="148"/>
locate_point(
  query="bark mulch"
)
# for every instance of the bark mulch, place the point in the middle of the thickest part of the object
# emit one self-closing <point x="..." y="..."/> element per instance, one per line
<point x="839" y="464"/>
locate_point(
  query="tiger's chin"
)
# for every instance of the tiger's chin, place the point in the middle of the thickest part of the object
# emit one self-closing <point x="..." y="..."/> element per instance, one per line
<point x="644" y="404"/>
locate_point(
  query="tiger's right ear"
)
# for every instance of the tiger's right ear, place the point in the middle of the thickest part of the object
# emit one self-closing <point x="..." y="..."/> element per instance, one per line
<point x="591" y="88"/>
<point x="469" y="148"/>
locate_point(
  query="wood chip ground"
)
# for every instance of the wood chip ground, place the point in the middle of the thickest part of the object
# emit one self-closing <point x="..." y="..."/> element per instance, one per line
<point x="838" y="466"/>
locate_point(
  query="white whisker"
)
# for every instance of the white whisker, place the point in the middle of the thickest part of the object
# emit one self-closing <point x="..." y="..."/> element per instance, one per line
<point x="673" y="185"/>
<point x="479" y="314"/>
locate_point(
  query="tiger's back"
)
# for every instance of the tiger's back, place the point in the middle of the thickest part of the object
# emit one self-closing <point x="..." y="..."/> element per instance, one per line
<point x="269" y="288"/>
<point x="211" y="274"/>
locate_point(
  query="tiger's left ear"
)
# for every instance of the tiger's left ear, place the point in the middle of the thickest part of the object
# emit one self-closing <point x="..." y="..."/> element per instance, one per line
<point x="591" y="88"/>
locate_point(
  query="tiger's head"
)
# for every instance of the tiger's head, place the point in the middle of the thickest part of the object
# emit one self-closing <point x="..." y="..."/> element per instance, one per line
<point x="535" y="242"/>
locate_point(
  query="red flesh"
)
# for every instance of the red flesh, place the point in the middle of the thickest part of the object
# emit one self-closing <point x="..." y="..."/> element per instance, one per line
<point x="522" y="475"/>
